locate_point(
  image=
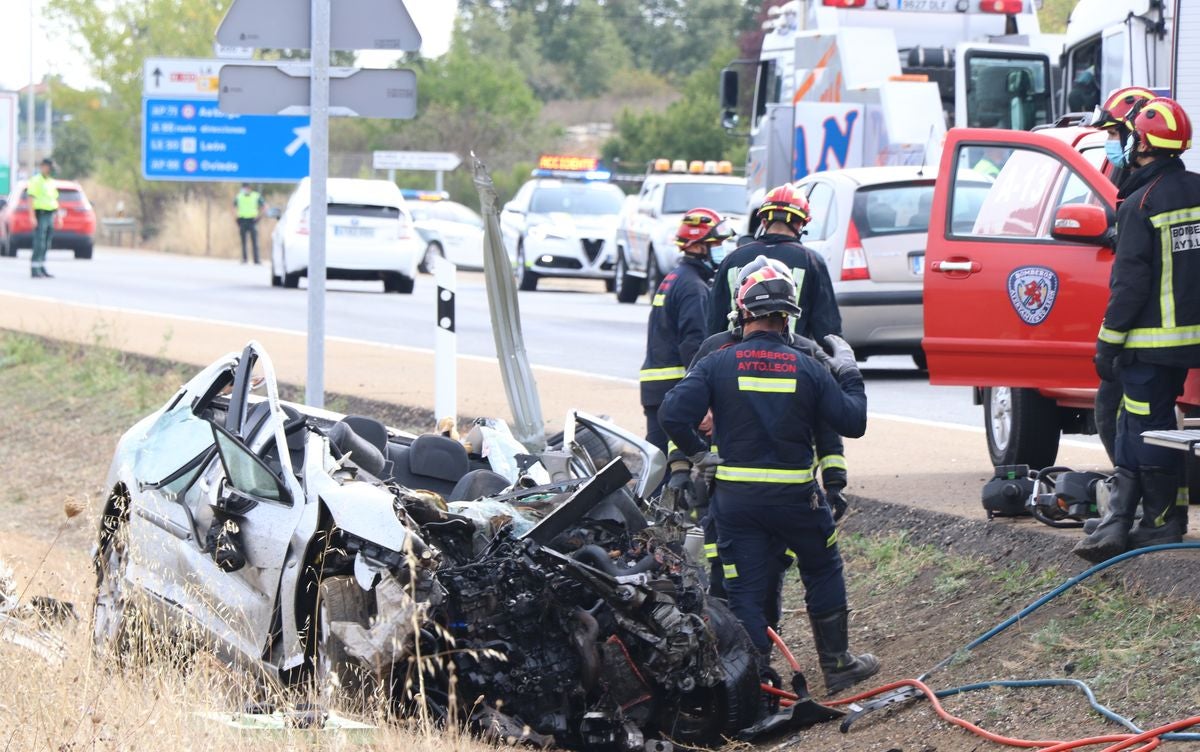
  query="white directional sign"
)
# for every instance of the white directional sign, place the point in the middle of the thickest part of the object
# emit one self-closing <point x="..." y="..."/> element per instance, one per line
<point x="415" y="160"/>
<point x="287" y="24"/>
<point x="286" y="88"/>
<point x="180" y="77"/>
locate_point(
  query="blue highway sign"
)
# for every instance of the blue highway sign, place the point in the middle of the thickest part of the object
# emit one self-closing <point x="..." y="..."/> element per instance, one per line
<point x="190" y="139"/>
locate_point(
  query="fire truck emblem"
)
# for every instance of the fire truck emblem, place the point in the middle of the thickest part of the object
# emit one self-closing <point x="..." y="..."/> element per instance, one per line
<point x="1032" y="290"/>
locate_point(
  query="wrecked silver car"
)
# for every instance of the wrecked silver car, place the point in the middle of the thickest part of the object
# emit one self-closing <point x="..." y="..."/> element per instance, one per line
<point x="528" y="594"/>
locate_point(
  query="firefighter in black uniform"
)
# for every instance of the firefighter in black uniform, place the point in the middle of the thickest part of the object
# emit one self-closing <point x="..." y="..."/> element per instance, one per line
<point x="679" y="314"/>
<point x="1151" y="331"/>
<point x="765" y="397"/>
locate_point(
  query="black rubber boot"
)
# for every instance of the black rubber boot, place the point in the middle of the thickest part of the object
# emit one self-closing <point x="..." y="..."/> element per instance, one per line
<point x="1163" y="519"/>
<point x="840" y="667"/>
<point x="1111" y="536"/>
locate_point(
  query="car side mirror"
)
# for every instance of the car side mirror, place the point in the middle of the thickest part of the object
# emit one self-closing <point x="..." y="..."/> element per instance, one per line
<point x="1081" y="223"/>
<point x="512" y="207"/>
<point x="729" y="98"/>
<point x="246" y="473"/>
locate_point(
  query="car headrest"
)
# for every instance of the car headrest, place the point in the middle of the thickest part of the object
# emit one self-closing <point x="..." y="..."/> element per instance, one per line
<point x="477" y="484"/>
<point x="369" y="429"/>
<point x="362" y="452"/>
<point x="437" y="456"/>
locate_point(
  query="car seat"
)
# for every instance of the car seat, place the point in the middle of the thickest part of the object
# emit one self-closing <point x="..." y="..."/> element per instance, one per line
<point x="431" y="463"/>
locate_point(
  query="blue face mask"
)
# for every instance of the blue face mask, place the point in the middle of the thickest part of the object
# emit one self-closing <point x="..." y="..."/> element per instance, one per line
<point x="719" y="251"/>
<point x="1116" y="153"/>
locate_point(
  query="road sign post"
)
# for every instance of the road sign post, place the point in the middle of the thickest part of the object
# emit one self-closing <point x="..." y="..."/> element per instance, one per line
<point x="281" y="88"/>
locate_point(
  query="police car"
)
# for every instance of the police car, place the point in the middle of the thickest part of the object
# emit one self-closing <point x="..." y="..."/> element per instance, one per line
<point x="646" y="247"/>
<point x="563" y="222"/>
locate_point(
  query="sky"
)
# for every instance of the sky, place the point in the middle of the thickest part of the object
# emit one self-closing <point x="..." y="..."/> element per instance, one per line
<point x="54" y="53"/>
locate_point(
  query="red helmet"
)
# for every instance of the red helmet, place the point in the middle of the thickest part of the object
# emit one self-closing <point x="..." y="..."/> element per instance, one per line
<point x="1162" y="124"/>
<point x="768" y="288"/>
<point x="702" y="226"/>
<point x="784" y="204"/>
<point x="1121" y="106"/>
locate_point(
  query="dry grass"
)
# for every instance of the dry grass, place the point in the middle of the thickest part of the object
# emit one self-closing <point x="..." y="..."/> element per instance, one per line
<point x="199" y="226"/>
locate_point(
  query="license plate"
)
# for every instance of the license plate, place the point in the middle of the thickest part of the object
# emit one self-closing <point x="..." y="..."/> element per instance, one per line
<point x="353" y="232"/>
<point x="926" y="5"/>
<point x="916" y="263"/>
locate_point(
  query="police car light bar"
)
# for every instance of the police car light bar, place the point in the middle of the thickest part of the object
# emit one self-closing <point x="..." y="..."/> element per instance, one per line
<point x="415" y="194"/>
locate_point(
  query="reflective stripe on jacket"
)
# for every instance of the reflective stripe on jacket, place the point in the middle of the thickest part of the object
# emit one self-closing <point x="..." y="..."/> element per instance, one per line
<point x="819" y="310"/>
<point x="678" y="318"/>
<point x="766" y="398"/>
<point x="1153" y="308"/>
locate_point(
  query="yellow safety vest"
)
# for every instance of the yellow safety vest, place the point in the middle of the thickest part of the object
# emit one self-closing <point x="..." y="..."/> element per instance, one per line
<point x="247" y="204"/>
<point x="43" y="193"/>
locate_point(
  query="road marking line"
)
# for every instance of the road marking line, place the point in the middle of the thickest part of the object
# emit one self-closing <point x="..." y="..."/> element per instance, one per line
<point x="299" y="333"/>
<point x="1078" y="443"/>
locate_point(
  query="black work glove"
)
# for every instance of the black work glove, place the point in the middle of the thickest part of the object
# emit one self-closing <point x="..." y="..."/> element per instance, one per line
<point x="837" y="502"/>
<point x="1106" y="360"/>
<point x="842" y="360"/>
<point x="681" y="489"/>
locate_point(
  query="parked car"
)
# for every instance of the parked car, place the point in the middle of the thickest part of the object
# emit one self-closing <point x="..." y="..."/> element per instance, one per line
<point x="646" y="247"/>
<point x="307" y="547"/>
<point x="74" y="223"/>
<point x="1017" y="285"/>
<point x="870" y="225"/>
<point x="562" y="228"/>
<point x="369" y="235"/>
<point x="448" y="229"/>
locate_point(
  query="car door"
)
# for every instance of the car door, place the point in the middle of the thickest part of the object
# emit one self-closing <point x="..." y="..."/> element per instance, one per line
<point x="265" y="506"/>
<point x="463" y="233"/>
<point x="1005" y="303"/>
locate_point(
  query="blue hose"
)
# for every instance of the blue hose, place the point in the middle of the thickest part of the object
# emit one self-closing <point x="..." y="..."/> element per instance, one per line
<point x="1087" y="691"/>
<point x="1051" y="596"/>
<point x="1082" y="687"/>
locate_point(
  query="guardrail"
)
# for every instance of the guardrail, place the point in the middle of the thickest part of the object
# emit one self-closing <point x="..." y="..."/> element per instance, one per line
<point x="115" y="229"/>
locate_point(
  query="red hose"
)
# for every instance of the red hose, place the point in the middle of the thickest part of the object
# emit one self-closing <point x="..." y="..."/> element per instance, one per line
<point x="1118" y="742"/>
<point x="783" y="648"/>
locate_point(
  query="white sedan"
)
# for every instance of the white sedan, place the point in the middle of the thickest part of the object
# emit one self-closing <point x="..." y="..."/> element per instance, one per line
<point x="369" y="235"/>
<point x="450" y="231"/>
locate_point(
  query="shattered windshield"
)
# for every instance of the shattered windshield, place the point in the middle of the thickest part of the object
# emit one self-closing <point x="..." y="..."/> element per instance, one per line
<point x="171" y="443"/>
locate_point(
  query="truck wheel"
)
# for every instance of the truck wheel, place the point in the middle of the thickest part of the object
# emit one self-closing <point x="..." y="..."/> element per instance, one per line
<point x="1022" y="427"/>
<point x="1108" y="402"/>
<point x="626" y="286"/>
<point x="84" y="251"/>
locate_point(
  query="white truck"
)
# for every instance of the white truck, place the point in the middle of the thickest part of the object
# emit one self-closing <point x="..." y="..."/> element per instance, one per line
<point x="646" y="247"/>
<point x="1152" y="43"/>
<point x="818" y="102"/>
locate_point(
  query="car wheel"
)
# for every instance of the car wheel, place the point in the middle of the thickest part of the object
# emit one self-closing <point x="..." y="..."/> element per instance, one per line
<point x="6" y="248"/>
<point x="527" y="279"/>
<point x="626" y="286"/>
<point x="433" y="250"/>
<point x="84" y="252"/>
<point x="275" y="280"/>
<point x="1022" y="427"/>
<point x="706" y="715"/>
<point x="653" y="275"/>
<point x="338" y="675"/>
<point x="115" y="625"/>
<point x="396" y="282"/>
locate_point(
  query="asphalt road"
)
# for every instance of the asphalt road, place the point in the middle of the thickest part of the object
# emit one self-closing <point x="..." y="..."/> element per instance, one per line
<point x="569" y="324"/>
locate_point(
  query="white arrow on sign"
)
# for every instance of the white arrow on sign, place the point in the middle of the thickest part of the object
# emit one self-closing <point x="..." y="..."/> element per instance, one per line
<point x="303" y="138"/>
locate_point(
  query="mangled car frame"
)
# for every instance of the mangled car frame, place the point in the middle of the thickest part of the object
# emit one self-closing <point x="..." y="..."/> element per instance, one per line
<point x="531" y="594"/>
